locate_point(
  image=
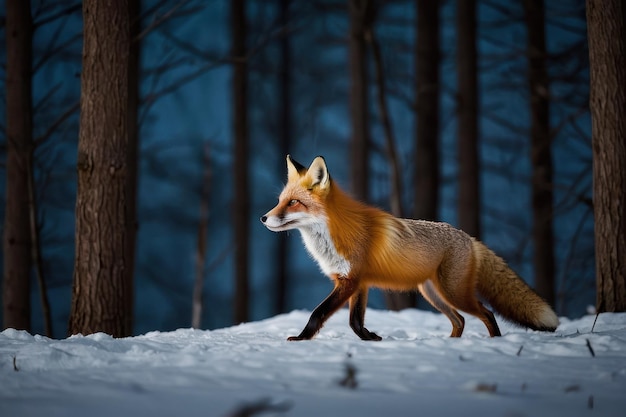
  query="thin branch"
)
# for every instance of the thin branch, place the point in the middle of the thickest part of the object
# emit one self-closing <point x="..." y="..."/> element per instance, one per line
<point x="569" y="258"/>
<point x="162" y="68"/>
<point x="170" y="14"/>
<point x="569" y="119"/>
<point x="44" y="100"/>
<point x="53" y="127"/>
<point x="50" y="51"/>
<point x="190" y="47"/>
<point x="197" y="296"/>
<point x="595" y="321"/>
<point x="593" y="354"/>
<point x="66" y="11"/>
<point x="501" y="121"/>
<point x="36" y="245"/>
<point x="149" y="99"/>
<point x="396" y="179"/>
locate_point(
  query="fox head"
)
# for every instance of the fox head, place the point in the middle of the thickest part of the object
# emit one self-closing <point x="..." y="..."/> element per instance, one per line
<point x="301" y="203"/>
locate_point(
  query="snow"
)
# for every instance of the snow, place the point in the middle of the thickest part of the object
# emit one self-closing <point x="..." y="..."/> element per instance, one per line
<point x="416" y="370"/>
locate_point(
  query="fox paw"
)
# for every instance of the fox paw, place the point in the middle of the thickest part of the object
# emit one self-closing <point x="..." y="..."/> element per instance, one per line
<point x="371" y="336"/>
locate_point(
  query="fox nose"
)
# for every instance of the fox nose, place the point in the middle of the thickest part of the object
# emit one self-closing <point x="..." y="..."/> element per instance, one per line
<point x="263" y="219"/>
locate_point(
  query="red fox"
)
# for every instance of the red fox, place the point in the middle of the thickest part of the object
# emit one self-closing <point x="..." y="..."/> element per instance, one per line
<point x="358" y="246"/>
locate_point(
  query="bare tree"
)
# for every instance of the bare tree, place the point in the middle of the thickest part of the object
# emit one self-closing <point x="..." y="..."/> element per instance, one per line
<point x="606" y="26"/>
<point x="395" y="197"/>
<point x="506" y="68"/>
<point x="360" y="15"/>
<point x="540" y="149"/>
<point x="427" y="59"/>
<point x="17" y="231"/>
<point x="467" y="112"/>
<point x="240" y="157"/>
<point x="36" y="252"/>
<point x="394" y="300"/>
<point x="34" y="168"/>
<point x="201" y="247"/>
<point x="100" y="293"/>
<point x="285" y="133"/>
<point x="134" y="102"/>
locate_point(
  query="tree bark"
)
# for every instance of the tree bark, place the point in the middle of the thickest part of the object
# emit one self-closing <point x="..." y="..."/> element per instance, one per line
<point x="35" y="244"/>
<point x="241" y="155"/>
<point x="285" y="134"/>
<point x="201" y="246"/>
<point x="467" y="113"/>
<point x="541" y="150"/>
<point x="427" y="58"/>
<point x="360" y="12"/>
<point x="17" y="238"/>
<point x="134" y="101"/>
<point x="395" y="195"/>
<point x="100" y="297"/>
<point x="394" y="300"/>
<point x="606" y="21"/>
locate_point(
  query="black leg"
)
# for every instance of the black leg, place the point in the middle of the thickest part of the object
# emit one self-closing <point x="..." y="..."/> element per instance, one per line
<point x="344" y="288"/>
<point x="358" y="304"/>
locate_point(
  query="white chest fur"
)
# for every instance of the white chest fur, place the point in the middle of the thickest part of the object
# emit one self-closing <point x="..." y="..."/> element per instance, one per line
<point x="318" y="242"/>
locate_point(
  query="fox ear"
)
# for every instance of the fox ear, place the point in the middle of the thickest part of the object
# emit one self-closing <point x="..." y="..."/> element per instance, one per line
<point x="294" y="169"/>
<point x="319" y="173"/>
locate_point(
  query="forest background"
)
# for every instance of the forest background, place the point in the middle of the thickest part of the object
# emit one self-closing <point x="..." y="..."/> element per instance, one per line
<point x="478" y="117"/>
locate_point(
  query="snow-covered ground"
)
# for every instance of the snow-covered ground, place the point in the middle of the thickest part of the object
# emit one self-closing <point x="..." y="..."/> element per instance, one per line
<point x="415" y="370"/>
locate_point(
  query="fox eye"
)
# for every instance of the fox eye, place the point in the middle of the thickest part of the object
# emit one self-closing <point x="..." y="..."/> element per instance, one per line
<point x="293" y="202"/>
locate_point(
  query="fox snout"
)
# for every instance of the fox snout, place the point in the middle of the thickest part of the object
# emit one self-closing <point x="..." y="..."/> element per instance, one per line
<point x="264" y="219"/>
<point x="278" y="220"/>
<point x="272" y="222"/>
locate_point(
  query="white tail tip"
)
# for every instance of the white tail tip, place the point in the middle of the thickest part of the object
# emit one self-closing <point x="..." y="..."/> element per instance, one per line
<point x="547" y="319"/>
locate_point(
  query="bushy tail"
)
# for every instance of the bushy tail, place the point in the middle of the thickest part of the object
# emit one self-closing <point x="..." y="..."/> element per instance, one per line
<point x="509" y="295"/>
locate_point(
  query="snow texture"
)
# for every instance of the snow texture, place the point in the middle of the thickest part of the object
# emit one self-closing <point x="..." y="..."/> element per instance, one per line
<point x="251" y="369"/>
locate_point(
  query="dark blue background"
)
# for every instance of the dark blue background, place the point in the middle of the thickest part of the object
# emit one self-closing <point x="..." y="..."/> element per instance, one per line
<point x="175" y="128"/>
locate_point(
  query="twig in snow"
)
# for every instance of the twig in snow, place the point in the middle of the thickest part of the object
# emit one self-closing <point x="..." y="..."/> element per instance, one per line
<point x="590" y="348"/>
<point x="15" y="368"/>
<point x="590" y="402"/>
<point x="483" y="387"/>
<point x="349" y="380"/>
<point x="262" y="405"/>
<point x="594" y="322"/>
<point x="519" y="352"/>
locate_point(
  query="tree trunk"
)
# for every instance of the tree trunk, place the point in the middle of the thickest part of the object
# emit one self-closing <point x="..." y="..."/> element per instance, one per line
<point x="395" y="194"/>
<point x="284" y="134"/>
<point x="17" y="241"/>
<point x="35" y="244"/>
<point x="427" y="58"/>
<point x="360" y="12"/>
<point x="541" y="153"/>
<point x="240" y="164"/>
<point x="394" y="300"/>
<point x="100" y="298"/>
<point x="134" y="100"/>
<point x="201" y="246"/>
<point x="606" y="21"/>
<point x="467" y="112"/>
